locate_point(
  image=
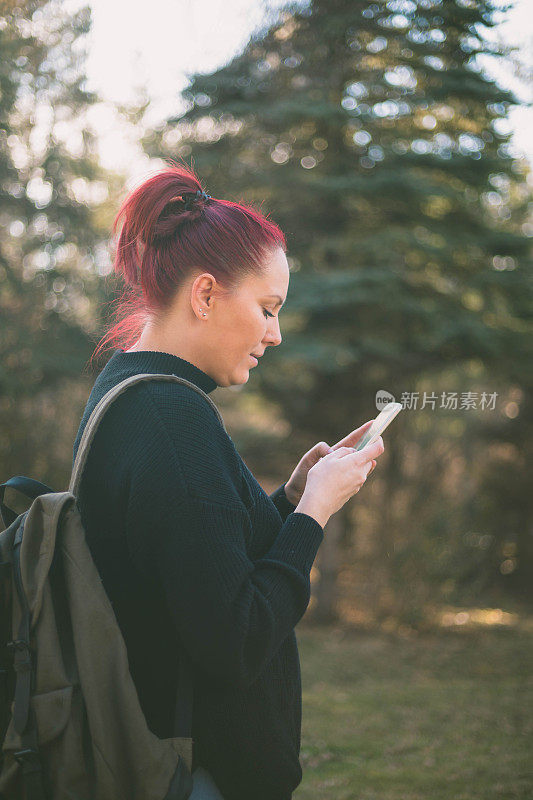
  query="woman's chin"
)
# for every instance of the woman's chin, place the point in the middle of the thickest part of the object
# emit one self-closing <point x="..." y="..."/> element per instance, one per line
<point x="237" y="379"/>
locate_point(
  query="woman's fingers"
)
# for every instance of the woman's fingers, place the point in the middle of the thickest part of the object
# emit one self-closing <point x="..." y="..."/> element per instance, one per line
<point x="353" y="437"/>
<point x="371" y="451"/>
<point x="343" y="451"/>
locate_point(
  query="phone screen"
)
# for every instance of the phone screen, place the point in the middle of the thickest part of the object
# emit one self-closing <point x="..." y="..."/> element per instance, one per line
<point x="383" y="419"/>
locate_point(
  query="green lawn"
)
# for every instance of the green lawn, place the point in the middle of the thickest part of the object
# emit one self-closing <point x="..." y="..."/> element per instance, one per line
<point x="439" y="716"/>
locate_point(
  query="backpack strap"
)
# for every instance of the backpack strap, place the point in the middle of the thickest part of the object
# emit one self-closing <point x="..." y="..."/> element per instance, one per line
<point x="21" y="646"/>
<point x="184" y="695"/>
<point x="28" y="486"/>
<point x="23" y="715"/>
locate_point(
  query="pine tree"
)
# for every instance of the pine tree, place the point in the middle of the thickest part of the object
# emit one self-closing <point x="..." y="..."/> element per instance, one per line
<point x="381" y="148"/>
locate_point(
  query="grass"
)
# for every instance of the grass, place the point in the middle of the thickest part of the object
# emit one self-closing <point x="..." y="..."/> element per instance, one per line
<point x="444" y="716"/>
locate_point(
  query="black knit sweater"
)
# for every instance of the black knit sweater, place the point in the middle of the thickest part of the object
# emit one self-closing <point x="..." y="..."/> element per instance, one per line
<point x="193" y="553"/>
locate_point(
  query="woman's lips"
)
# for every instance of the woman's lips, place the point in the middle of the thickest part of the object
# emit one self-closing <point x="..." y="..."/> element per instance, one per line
<point x="255" y="359"/>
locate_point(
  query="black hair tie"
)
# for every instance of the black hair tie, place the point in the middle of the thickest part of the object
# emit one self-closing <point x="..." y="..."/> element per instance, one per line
<point x="191" y="197"/>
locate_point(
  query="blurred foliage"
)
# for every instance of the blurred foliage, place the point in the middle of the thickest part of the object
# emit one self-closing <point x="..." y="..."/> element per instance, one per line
<point x="383" y="150"/>
<point x="53" y="195"/>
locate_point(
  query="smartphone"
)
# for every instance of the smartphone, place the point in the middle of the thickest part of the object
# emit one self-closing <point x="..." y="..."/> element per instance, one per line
<point x="384" y="418"/>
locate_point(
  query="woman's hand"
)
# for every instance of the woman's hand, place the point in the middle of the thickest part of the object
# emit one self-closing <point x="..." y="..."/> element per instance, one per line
<point x="294" y="488"/>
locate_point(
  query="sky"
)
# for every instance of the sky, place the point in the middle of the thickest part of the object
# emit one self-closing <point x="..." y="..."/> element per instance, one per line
<point x="128" y="48"/>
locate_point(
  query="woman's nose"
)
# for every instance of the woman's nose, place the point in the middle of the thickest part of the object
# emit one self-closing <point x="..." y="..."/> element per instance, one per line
<point x="274" y="335"/>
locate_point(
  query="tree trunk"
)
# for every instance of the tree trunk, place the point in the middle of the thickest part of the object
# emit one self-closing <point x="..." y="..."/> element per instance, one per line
<point x="329" y="560"/>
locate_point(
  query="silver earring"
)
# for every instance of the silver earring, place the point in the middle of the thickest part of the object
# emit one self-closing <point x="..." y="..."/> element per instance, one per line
<point x="205" y="315"/>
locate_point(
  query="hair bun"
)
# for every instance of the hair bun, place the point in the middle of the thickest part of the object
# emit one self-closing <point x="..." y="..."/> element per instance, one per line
<point x="186" y="207"/>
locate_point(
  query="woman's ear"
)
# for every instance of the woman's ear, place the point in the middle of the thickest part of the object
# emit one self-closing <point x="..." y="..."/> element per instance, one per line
<point x="202" y="290"/>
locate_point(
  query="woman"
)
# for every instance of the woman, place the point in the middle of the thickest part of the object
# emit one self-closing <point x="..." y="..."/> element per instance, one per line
<point x="196" y="558"/>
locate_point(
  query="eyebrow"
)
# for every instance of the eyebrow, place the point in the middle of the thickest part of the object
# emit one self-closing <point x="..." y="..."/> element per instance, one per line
<point x="280" y="301"/>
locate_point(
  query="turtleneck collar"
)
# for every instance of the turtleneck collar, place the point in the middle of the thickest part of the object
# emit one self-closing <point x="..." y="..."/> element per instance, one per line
<point x="156" y="361"/>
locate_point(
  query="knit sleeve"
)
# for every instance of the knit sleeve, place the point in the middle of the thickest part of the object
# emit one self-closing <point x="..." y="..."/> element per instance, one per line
<point x="231" y="613"/>
<point x="282" y="503"/>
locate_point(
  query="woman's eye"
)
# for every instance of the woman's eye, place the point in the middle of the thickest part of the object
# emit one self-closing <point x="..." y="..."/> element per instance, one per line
<point x="268" y="313"/>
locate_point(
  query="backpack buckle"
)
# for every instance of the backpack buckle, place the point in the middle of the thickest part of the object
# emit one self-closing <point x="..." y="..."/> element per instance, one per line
<point x="17" y="644"/>
<point x="21" y="652"/>
<point x="26" y="755"/>
<point x="29" y="760"/>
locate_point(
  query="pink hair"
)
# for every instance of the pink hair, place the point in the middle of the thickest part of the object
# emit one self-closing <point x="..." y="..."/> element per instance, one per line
<point x="157" y="252"/>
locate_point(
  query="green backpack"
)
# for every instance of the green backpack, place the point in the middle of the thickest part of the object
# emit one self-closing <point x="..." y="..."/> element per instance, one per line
<point x="71" y="725"/>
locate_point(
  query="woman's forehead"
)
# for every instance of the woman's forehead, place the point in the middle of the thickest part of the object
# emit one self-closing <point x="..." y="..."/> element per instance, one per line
<point x="274" y="280"/>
